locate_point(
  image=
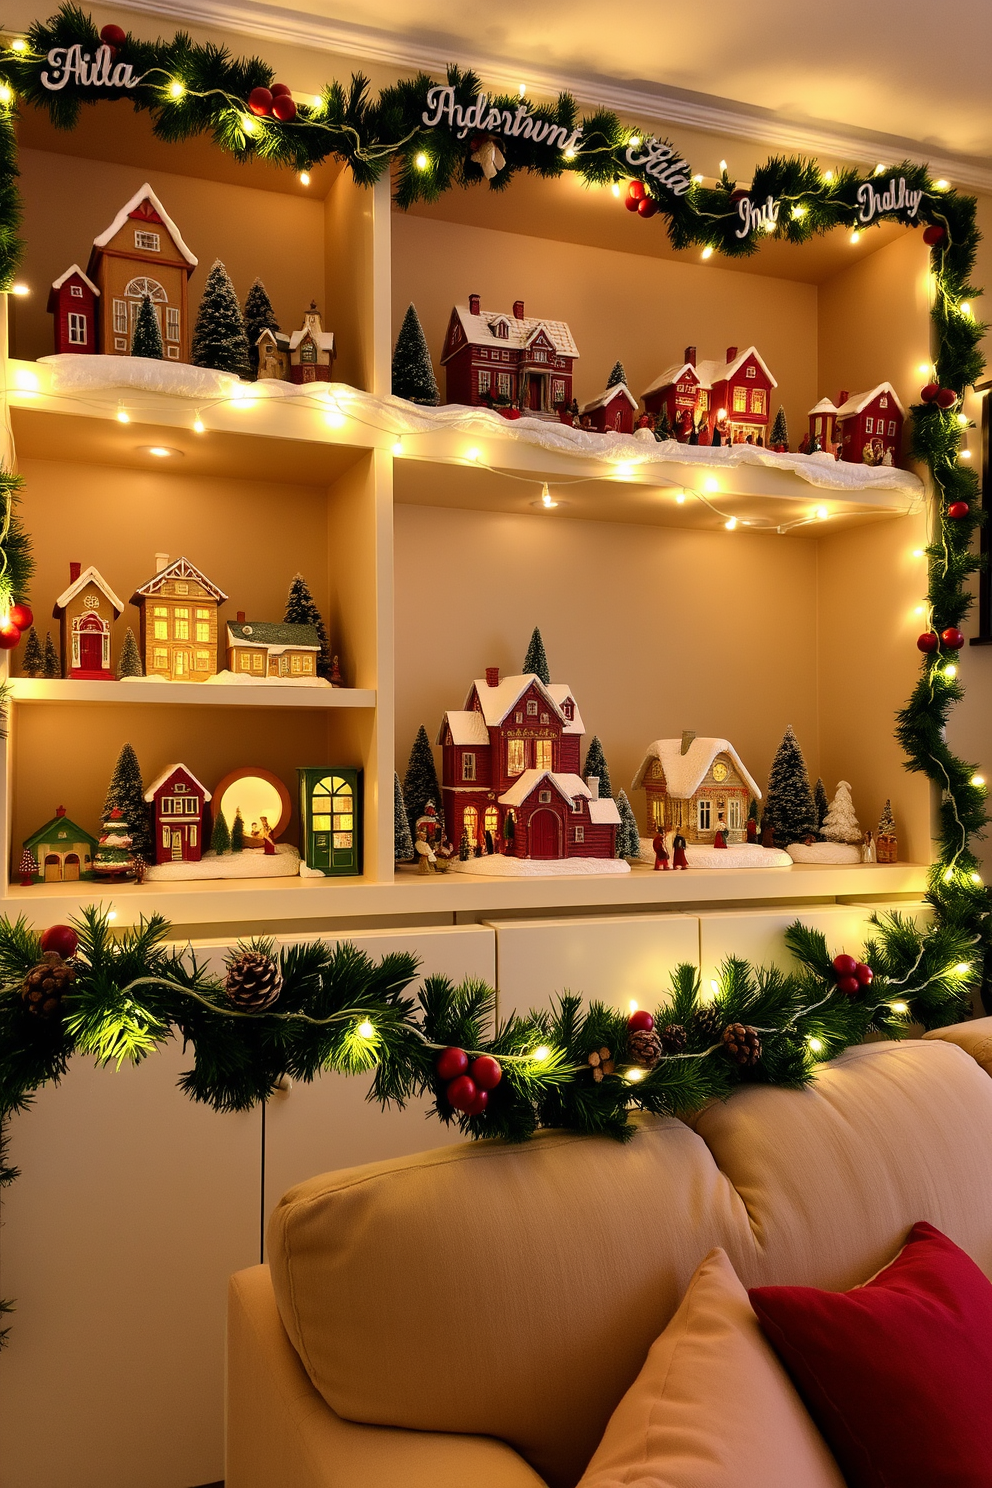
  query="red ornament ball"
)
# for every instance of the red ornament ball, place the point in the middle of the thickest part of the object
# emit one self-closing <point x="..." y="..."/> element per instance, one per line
<point x="946" y="398"/>
<point x="462" y="1093"/>
<point x="284" y="109"/>
<point x="486" y="1072"/>
<point x="955" y="511"/>
<point x="864" y="974"/>
<point x="844" y="966"/>
<point x="260" y="102"/>
<point x="934" y="234"/>
<point x="21" y="616"/>
<point x="951" y="637"/>
<point x="929" y="393"/>
<point x="10" y="636"/>
<point x="636" y="191"/>
<point x="641" y="1021"/>
<point x="647" y="206"/>
<point x="849" y="985"/>
<point x="632" y="203"/>
<point x="281" y="90"/>
<point x="479" y="1104"/>
<point x="61" y="939"/>
<point x="450" y="1063"/>
<point x="927" y="642"/>
<point x="114" y="36"/>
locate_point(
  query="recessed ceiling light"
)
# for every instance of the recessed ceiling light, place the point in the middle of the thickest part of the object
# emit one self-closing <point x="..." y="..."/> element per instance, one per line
<point x="160" y="451"/>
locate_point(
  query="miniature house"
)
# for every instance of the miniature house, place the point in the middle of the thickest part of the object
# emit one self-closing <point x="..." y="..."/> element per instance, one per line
<point x="869" y="426"/>
<point x="311" y="350"/>
<point x="331" y="820"/>
<point x="510" y="776"/>
<point x="613" y="411"/>
<point x="63" y="851"/>
<point x="691" y="784"/>
<point x="86" y="612"/>
<point x="179" y="622"/>
<point x="734" y="394"/>
<point x="823" y="425"/>
<point x="178" y="802"/>
<point x="263" y="648"/>
<point x="512" y="360"/>
<point x="273" y="356"/>
<point x="72" y="300"/>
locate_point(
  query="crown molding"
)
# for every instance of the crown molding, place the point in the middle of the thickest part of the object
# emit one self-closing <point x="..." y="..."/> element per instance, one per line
<point x="256" y="19"/>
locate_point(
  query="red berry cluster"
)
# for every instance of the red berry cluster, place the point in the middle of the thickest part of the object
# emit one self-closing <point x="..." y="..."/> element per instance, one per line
<point x="18" y="618"/>
<point x="638" y="200"/>
<point x="275" y="103"/>
<point x="952" y="638"/>
<point x="934" y="235"/>
<point x="468" y="1082"/>
<point x="943" y="397"/>
<point x="852" y="976"/>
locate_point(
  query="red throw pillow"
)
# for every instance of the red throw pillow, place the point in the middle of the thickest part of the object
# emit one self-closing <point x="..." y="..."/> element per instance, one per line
<point x="897" y="1373"/>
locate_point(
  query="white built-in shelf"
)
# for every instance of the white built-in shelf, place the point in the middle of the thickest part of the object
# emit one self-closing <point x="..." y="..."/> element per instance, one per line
<point x="198" y="694"/>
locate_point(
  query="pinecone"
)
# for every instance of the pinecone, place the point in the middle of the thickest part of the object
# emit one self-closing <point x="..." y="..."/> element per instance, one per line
<point x="707" y="1023"/>
<point x="673" y="1038"/>
<point x="644" y="1048"/>
<point x="602" y="1064"/>
<point x="253" y="982"/>
<point x="742" y="1044"/>
<point x="45" y="985"/>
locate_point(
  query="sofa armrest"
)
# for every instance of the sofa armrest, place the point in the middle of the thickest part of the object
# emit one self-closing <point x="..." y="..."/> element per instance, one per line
<point x="279" y="1430"/>
<point x="975" y="1038"/>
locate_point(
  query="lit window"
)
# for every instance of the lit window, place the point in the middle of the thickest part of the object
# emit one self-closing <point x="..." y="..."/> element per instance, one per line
<point x="257" y="661"/>
<point x="468" y="766"/>
<point x="558" y="391"/>
<point x="470" y="823"/>
<point x="203" y="630"/>
<point x="244" y="661"/>
<point x="160" y="631"/>
<point x="740" y="400"/>
<point x="518" y="717"/>
<point x="757" y="400"/>
<point x="296" y="665"/>
<point x="160" y="657"/>
<point x="705" y="811"/>
<point x="150" y="241"/>
<point x="514" y="756"/>
<point x="735" y="813"/>
<point x="543" y="754"/>
<point x="203" y="661"/>
<point x="180" y="628"/>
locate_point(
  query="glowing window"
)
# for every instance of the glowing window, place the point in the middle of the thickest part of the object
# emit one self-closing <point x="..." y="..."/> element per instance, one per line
<point x="515" y="756"/>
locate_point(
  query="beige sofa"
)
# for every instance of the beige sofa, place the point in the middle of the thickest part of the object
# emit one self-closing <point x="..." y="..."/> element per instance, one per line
<point x="471" y="1316"/>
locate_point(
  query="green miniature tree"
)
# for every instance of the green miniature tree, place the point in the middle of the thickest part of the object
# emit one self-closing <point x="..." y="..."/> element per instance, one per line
<point x="464" y="847"/>
<point x="886" y="822"/>
<point x="402" y="836"/>
<point x="596" y="765"/>
<point x="413" y="373"/>
<point x="129" y="661"/>
<point x="752" y="811"/>
<point x="420" y="784"/>
<point x="662" y="427"/>
<point x="628" y="832"/>
<point x="301" y="609"/>
<point x="238" y="832"/>
<point x="220" y="837"/>
<point x="127" y="792"/>
<point x="536" y="660"/>
<point x="259" y="317"/>
<point x="780" y="431"/>
<point x="51" y="666"/>
<point x="617" y="376"/>
<point x="820" y="803"/>
<point x="147" y="338"/>
<point x="789" y="807"/>
<point x="33" y="660"/>
<point x="114" y="857"/>
<point x="220" y="340"/>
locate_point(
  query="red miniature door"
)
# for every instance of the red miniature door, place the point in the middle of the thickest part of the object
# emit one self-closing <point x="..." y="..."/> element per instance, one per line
<point x="545" y="835"/>
<point x="91" y="651"/>
<point x="534" y="391"/>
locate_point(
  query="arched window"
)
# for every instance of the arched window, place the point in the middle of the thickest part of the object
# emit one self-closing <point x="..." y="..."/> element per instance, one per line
<point x="470" y="823"/>
<point x="136" y="289"/>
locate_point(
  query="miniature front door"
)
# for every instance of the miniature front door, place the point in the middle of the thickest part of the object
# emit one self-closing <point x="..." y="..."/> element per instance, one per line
<point x="181" y="663"/>
<point x="70" y="869"/>
<point x="330" y="812"/>
<point x="90" y="651"/>
<point x="535" y="392"/>
<point x="177" y="844"/>
<point x="53" y="868"/>
<point x="545" y="835"/>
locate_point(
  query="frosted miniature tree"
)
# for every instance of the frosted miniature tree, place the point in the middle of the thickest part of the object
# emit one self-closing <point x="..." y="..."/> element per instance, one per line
<point x="28" y="869"/>
<point x="820" y="803"/>
<point x="259" y="317"/>
<point x="301" y="610"/>
<point x="780" y="431"/>
<point x="536" y="660"/>
<point x="596" y="765"/>
<point x="617" y="376"/>
<point x="886" y="822"/>
<point x="789" y="808"/>
<point x="51" y="666"/>
<point x="840" y="823"/>
<point x="129" y="661"/>
<point x="628" y="832"/>
<point x="127" y="792"/>
<point x="402" y="836"/>
<point x="147" y="338"/>
<point x="238" y="832"/>
<point x="220" y="837"/>
<point x="33" y="660"/>
<point x="420" y="784"/>
<point x="413" y="374"/>
<point x="220" y="340"/>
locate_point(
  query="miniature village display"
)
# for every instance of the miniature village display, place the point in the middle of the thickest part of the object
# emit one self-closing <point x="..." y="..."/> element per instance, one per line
<point x="178" y="609"/>
<point x="264" y="649"/>
<point x="512" y="361"/>
<point x="330" y="802"/>
<point x="86" y="612"/>
<point x="307" y="355"/>
<point x="62" y="852"/>
<point x="862" y="428"/>
<point x="717" y="402"/>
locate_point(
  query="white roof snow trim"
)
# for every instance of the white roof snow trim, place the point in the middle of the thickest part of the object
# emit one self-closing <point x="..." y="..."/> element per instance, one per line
<point x="857" y="401"/>
<point x="671" y="375"/>
<point x="685" y="773"/>
<point x="323" y="339"/>
<point x="825" y="405"/>
<point x="498" y="701"/>
<point x="89" y="576"/>
<point x="181" y="569"/>
<point x="75" y="269"/>
<point x="478" y="332"/>
<point x="466" y="728"/>
<point x="608" y="396"/>
<point x="562" y="693"/>
<point x="710" y="373"/>
<point x="568" y="786"/>
<point x="276" y="648"/>
<point x="146" y="194"/>
<point x="604" y="812"/>
<point x="160" y="780"/>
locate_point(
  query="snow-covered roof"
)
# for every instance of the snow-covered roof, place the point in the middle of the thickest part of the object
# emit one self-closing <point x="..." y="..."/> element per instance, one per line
<point x="685" y="773"/>
<point x="709" y="373"/>
<point x="271" y="635"/>
<point x="857" y="401"/>
<point x="562" y="693"/>
<point x="521" y="330"/>
<point x="607" y="397"/>
<point x="498" y="701"/>
<point x="146" y="194"/>
<point x="181" y="569"/>
<point x="467" y="727"/>
<point x="279" y="337"/>
<point x="323" y="339"/>
<point x="568" y="786"/>
<point x="88" y="576"/>
<point x="825" y="405"/>
<point x="603" y="812"/>
<point x="160" y="780"/>
<point x="74" y="269"/>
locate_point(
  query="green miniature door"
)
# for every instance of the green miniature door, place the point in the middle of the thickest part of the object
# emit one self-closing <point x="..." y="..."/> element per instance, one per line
<point x="331" y="819"/>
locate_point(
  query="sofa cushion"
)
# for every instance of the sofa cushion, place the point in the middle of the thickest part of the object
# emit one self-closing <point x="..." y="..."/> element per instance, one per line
<point x="897" y="1372"/>
<point x="975" y="1038"/>
<point x="510" y="1291"/>
<point x="712" y="1407"/>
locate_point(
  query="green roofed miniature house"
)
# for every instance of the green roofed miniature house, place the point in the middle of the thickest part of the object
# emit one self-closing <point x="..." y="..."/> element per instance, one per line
<point x="331" y="820"/>
<point x="267" y="649"/>
<point x="62" y="851"/>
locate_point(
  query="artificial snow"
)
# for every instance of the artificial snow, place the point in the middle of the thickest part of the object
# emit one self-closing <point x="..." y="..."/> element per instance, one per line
<point x="734" y="855"/>
<point x="502" y="865"/>
<point x="71" y="372"/>
<point x="242" y="679"/>
<point x="283" y="863"/>
<point x="823" y="852"/>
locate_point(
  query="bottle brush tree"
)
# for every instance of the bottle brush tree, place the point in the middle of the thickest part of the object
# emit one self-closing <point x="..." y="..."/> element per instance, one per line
<point x="259" y="317"/>
<point x="33" y="660"/>
<point x="220" y="837"/>
<point x="820" y="803"/>
<point x="402" y="836"/>
<point x="129" y="661"/>
<point x="536" y="660"/>
<point x="789" y="807"/>
<point x="628" y="832"/>
<point x="126" y="792"/>
<point x="413" y="374"/>
<point x="840" y="823"/>
<point x="420" y="784"/>
<point x="301" y="609"/>
<point x="51" y="666"/>
<point x="220" y="339"/>
<point x="617" y="376"/>
<point x="238" y="832"/>
<point x="596" y="765"/>
<point x="779" y="437"/>
<point x="147" y="338"/>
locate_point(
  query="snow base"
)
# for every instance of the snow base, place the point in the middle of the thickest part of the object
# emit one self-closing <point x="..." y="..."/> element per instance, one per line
<point x="500" y="865"/>
<point x="72" y="372"/>
<point x="823" y="852"/>
<point x="736" y="855"/>
<point x="283" y="863"/>
<point x="241" y="679"/>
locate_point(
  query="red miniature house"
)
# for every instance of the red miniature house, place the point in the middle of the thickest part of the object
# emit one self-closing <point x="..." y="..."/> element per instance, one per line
<point x="734" y="395"/>
<point x="870" y="426"/>
<point x="72" y="301"/>
<point x="510" y="779"/>
<point x="179" y="802"/>
<point x="86" y="612"/>
<point x="509" y="360"/>
<point x="613" y="411"/>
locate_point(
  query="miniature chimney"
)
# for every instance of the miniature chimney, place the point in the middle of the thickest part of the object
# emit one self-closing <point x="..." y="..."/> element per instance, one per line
<point x="241" y="617"/>
<point x="518" y="309"/>
<point x="687" y="737"/>
<point x="492" y="676"/>
<point x="842" y="397"/>
<point x="60" y="811"/>
<point x="731" y="353"/>
<point x="75" y="569"/>
<point x="690" y="355"/>
<point x="161" y="561"/>
<point x="473" y="304"/>
<point x="592" y="781"/>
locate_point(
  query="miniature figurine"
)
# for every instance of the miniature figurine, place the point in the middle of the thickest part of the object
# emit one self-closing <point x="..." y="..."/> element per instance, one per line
<point x="868" y="848"/>
<point x="679" y="845"/>
<point x="662" y="861"/>
<point x="426" y="858"/>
